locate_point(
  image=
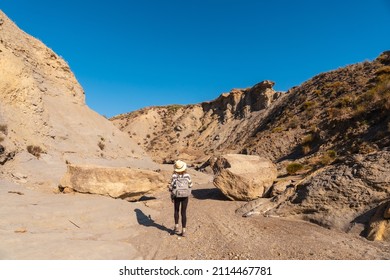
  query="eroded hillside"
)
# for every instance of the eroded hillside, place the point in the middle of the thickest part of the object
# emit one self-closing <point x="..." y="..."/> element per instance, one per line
<point x="196" y="132"/>
<point x="345" y="111"/>
<point x="332" y="133"/>
<point x="44" y="121"/>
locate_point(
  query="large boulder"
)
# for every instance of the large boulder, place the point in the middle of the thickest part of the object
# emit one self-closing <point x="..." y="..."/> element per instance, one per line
<point x="125" y="183"/>
<point x="243" y="177"/>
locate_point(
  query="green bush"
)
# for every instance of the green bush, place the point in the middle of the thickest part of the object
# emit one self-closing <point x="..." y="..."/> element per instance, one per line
<point x="308" y="104"/>
<point x="293" y="168"/>
<point x="331" y="153"/>
<point x="277" y="129"/>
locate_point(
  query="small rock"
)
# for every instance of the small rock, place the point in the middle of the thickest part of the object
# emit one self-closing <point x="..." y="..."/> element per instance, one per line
<point x="19" y="193"/>
<point x="19" y="176"/>
<point x="20" y="230"/>
<point x="178" y="128"/>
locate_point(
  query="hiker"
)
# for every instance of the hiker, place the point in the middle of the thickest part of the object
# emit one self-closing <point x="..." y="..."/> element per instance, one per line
<point x="180" y="188"/>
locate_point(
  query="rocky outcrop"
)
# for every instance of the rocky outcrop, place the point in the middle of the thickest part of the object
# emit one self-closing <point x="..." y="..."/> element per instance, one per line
<point x="239" y="103"/>
<point x="196" y="132"/>
<point x="125" y="183"/>
<point x="339" y="195"/>
<point x="243" y="177"/>
<point x="335" y="127"/>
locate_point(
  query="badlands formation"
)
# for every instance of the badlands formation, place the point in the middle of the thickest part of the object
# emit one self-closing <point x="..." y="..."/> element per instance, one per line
<point x="301" y="174"/>
<point x="329" y="139"/>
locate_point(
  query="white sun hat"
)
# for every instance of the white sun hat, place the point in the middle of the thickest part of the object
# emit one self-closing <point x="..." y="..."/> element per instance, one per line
<point x="180" y="166"/>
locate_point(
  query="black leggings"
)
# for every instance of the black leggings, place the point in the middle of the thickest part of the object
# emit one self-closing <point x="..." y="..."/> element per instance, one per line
<point x="184" y="202"/>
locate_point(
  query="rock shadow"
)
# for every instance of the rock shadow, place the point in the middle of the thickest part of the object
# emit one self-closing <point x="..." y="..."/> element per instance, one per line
<point x="147" y="221"/>
<point x="212" y="193"/>
<point x="146" y="198"/>
<point x="297" y="152"/>
<point x="364" y="219"/>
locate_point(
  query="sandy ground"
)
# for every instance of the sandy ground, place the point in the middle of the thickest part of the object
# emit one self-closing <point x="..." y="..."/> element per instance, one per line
<point x="36" y="225"/>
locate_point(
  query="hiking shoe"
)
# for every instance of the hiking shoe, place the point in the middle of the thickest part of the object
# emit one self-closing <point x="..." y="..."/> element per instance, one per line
<point x="183" y="234"/>
<point x="175" y="230"/>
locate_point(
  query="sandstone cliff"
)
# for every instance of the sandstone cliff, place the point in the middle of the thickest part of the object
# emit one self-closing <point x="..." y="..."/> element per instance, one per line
<point x="44" y="121"/>
<point x="196" y="132"/>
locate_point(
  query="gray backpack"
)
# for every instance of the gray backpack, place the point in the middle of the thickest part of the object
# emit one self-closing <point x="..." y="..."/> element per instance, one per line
<point x="182" y="188"/>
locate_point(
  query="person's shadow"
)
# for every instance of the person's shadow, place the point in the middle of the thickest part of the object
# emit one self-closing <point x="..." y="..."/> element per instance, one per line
<point x="147" y="221"/>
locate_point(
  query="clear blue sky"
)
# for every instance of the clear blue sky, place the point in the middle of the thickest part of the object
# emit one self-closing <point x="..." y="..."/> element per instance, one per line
<point x="131" y="54"/>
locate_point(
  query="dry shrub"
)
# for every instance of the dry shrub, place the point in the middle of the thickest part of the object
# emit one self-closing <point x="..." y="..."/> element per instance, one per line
<point x="317" y="92"/>
<point x="336" y="88"/>
<point x="293" y="122"/>
<point x="308" y="104"/>
<point x="277" y="129"/>
<point x="4" y="128"/>
<point x="384" y="70"/>
<point x="35" y="150"/>
<point x="101" y="145"/>
<point x="345" y="102"/>
<point x="377" y="95"/>
<point x="293" y="168"/>
<point x="306" y="149"/>
<point x="328" y="157"/>
<point x="335" y="113"/>
<point x="308" y="139"/>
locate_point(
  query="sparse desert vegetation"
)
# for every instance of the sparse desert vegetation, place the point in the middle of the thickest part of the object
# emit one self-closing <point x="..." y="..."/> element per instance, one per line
<point x="317" y="153"/>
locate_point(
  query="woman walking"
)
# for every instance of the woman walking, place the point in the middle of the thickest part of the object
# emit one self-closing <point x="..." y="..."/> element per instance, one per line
<point x="180" y="188"/>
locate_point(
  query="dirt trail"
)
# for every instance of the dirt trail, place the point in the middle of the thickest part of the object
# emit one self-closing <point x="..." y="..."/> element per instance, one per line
<point x="216" y="232"/>
<point x="38" y="225"/>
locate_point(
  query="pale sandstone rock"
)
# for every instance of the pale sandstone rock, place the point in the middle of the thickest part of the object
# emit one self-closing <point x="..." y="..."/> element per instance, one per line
<point x="243" y="177"/>
<point x="379" y="227"/>
<point x="126" y="183"/>
<point x="279" y="187"/>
